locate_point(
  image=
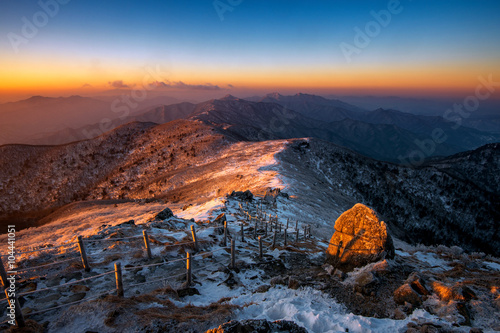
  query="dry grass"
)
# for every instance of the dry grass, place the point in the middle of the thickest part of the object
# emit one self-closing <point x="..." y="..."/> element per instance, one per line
<point x="125" y="309"/>
<point x="215" y="312"/>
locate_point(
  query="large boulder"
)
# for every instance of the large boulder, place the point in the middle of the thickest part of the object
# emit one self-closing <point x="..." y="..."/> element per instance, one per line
<point x="360" y="238"/>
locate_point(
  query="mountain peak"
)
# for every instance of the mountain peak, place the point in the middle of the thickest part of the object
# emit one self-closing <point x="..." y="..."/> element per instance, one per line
<point x="275" y="95"/>
<point x="229" y="97"/>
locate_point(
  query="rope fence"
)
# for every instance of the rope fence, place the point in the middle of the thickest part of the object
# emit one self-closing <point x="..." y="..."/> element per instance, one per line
<point x="66" y="284"/>
<point x="71" y="303"/>
<point x="265" y="227"/>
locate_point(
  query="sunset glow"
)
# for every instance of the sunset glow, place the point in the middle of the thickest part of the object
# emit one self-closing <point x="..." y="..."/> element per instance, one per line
<point x="257" y="46"/>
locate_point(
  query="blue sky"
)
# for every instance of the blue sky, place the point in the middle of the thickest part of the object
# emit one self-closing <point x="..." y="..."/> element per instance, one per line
<point x="285" y="39"/>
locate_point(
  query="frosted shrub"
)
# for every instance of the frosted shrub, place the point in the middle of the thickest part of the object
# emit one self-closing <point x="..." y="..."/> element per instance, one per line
<point x="456" y="251"/>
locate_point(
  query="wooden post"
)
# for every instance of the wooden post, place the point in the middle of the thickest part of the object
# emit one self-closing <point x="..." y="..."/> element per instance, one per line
<point x="83" y="254"/>
<point x="195" y="240"/>
<point x="242" y="233"/>
<point x="224" y="242"/>
<point x="260" y="247"/>
<point x="297" y="235"/>
<point x="188" y="269"/>
<point x="119" y="280"/>
<point x="285" y="236"/>
<point x="14" y="303"/>
<point x="146" y="243"/>
<point x="233" y="254"/>
<point x="296" y="224"/>
<point x="265" y="230"/>
<point x="279" y="224"/>
<point x="305" y="232"/>
<point x="274" y="239"/>
<point x="287" y="221"/>
<point x="3" y="274"/>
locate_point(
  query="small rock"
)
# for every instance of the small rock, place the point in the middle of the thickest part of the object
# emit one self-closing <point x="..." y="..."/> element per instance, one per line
<point x="406" y="294"/>
<point x="31" y="286"/>
<point x="53" y="282"/>
<point x="271" y="195"/>
<point x="475" y="330"/>
<point x="263" y="288"/>
<point x="468" y="293"/>
<point x="418" y="284"/>
<point x="278" y="280"/>
<point x="339" y="274"/>
<point x="429" y="329"/>
<point x="78" y="288"/>
<point x="128" y="223"/>
<point x="399" y="315"/>
<point x="73" y="276"/>
<point x="293" y="284"/>
<point x="76" y="297"/>
<point x="49" y="298"/>
<point x="365" y="283"/>
<point x="220" y="219"/>
<point x="382" y="268"/>
<point x="328" y="268"/>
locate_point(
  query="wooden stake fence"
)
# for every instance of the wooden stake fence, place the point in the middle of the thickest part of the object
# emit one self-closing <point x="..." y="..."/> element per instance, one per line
<point x="188" y="269"/>
<point x="146" y="243"/>
<point x="195" y="240"/>
<point x="83" y="254"/>
<point x="119" y="279"/>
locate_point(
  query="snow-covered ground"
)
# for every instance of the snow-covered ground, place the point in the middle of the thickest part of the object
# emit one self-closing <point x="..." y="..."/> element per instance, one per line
<point x="309" y="307"/>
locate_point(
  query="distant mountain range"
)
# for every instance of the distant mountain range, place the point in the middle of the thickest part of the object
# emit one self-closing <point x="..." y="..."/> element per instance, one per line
<point x="47" y="120"/>
<point x="383" y="134"/>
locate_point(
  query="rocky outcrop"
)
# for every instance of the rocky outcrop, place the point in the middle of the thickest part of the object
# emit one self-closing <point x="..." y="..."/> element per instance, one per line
<point x="360" y="238"/>
<point x="164" y="214"/>
<point x="254" y="325"/>
<point x="271" y="195"/>
<point x="243" y="196"/>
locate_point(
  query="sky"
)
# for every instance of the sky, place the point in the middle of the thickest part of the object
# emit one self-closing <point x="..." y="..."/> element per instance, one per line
<point x="407" y="48"/>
